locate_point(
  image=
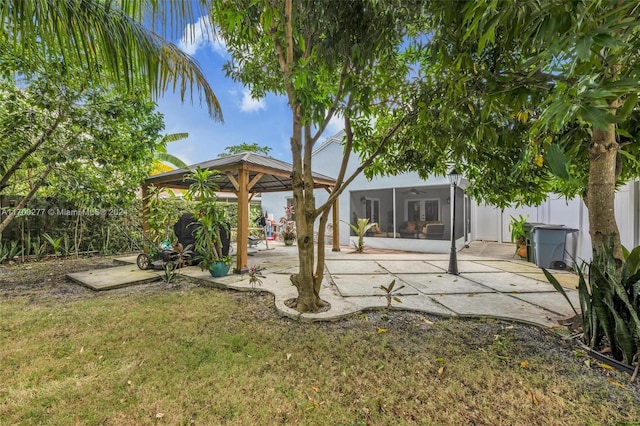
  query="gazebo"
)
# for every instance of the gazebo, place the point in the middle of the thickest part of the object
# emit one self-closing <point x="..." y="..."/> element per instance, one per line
<point x="244" y="174"/>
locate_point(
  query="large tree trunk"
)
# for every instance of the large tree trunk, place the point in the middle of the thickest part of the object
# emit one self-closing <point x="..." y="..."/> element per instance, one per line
<point x="304" y="205"/>
<point x="601" y="192"/>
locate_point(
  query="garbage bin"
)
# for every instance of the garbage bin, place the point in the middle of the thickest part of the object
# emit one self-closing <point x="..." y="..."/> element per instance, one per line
<point x="549" y="242"/>
<point x="528" y="229"/>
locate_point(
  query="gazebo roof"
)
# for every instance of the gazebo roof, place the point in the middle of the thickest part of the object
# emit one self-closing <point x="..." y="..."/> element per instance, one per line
<point x="272" y="175"/>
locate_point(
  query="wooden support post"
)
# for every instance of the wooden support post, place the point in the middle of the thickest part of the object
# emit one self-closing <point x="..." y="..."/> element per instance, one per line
<point x="336" y="226"/>
<point x="146" y="229"/>
<point x="243" y="221"/>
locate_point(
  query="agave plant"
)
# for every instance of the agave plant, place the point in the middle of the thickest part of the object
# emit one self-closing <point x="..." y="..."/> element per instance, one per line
<point x="360" y="228"/>
<point x="609" y="303"/>
<point x="9" y="251"/>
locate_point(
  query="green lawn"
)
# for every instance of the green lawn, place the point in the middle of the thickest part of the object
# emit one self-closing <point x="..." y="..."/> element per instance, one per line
<point x="185" y="355"/>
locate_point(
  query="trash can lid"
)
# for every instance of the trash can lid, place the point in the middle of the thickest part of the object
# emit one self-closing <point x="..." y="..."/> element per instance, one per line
<point x="555" y="227"/>
<point x="548" y="226"/>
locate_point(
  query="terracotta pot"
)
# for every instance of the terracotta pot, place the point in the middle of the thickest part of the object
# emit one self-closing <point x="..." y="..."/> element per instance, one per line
<point x="522" y="250"/>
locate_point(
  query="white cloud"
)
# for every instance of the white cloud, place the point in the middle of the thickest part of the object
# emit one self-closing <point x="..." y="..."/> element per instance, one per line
<point x="248" y="104"/>
<point x="334" y="126"/>
<point x="200" y="35"/>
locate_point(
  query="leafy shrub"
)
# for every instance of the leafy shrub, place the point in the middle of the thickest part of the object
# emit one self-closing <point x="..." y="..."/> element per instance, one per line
<point x="609" y="303"/>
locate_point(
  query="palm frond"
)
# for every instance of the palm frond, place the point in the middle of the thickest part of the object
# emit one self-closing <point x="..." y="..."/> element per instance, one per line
<point x="109" y="43"/>
<point x="171" y="159"/>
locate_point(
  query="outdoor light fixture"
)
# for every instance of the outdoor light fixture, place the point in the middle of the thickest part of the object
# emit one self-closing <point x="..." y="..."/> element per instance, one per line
<point x="454" y="179"/>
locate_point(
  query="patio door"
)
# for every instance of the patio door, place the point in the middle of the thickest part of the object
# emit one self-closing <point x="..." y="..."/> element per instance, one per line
<point x="423" y="210"/>
<point x="372" y="210"/>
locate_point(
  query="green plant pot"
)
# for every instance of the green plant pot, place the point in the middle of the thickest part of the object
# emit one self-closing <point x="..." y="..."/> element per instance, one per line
<point x="288" y="242"/>
<point x="219" y="269"/>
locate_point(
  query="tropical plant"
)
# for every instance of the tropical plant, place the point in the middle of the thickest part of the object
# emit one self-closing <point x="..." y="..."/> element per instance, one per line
<point x="361" y="227"/>
<point x="66" y="245"/>
<point x="255" y="277"/>
<point x="516" y="227"/>
<point x="519" y="235"/>
<point x="170" y="271"/>
<point x="39" y="248"/>
<point x="287" y="229"/>
<point x="609" y="303"/>
<point x="212" y="223"/>
<point x="211" y="227"/>
<point x="9" y="251"/>
<point x="108" y="42"/>
<point x="184" y="254"/>
<point x="390" y="293"/>
<point x="162" y="156"/>
<point x="55" y="243"/>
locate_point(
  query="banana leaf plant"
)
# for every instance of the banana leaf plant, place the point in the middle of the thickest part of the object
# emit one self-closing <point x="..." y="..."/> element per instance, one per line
<point x="360" y="228"/>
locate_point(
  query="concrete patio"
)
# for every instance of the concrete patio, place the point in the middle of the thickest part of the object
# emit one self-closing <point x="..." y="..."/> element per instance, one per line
<point x="491" y="283"/>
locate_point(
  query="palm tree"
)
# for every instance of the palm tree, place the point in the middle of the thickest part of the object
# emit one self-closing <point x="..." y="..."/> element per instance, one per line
<point x="162" y="156"/>
<point x="109" y="41"/>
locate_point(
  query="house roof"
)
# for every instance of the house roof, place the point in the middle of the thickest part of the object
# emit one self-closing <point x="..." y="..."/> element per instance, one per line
<point x="337" y="138"/>
<point x="272" y="175"/>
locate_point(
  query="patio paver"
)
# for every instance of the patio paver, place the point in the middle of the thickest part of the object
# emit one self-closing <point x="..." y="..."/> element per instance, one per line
<point x="465" y="266"/>
<point x="488" y="304"/>
<point x="115" y="277"/>
<point x="410" y="267"/>
<point x="508" y="282"/>
<point x="487" y="286"/>
<point x="368" y="285"/>
<point x="443" y="284"/>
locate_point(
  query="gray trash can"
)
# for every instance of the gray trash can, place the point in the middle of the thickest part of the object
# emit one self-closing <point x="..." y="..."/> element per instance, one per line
<point x="528" y="229"/>
<point x="549" y="243"/>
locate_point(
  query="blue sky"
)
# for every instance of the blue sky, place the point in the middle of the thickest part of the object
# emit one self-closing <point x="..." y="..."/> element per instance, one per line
<point x="266" y="122"/>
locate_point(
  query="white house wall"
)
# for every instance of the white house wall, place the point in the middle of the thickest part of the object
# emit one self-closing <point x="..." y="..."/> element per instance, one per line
<point x="327" y="160"/>
<point x="487" y="222"/>
<point x="560" y="211"/>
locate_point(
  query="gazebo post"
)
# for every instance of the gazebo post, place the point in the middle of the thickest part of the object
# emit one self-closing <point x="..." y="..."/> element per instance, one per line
<point x="145" y="218"/>
<point x="243" y="221"/>
<point x="335" y="217"/>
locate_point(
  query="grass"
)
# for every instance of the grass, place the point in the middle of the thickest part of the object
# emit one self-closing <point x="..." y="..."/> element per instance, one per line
<point x="184" y="355"/>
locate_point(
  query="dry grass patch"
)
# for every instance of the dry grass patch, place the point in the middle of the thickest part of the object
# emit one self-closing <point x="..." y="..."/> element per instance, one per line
<point x="184" y="355"/>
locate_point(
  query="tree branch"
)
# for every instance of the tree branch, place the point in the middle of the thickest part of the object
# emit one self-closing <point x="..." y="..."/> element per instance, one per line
<point x="383" y="144"/>
<point x="16" y="165"/>
<point x="336" y="101"/>
<point x="25" y="199"/>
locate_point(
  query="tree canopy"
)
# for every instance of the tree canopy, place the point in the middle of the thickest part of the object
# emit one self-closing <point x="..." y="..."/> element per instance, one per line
<point x="244" y="147"/>
<point x="108" y="41"/>
<point x="527" y="98"/>
<point x="329" y="58"/>
<point x="92" y="144"/>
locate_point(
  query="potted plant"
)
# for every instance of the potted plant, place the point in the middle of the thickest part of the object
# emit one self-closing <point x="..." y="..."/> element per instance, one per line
<point x="519" y="235"/>
<point x="287" y="231"/>
<point x="209" y="235"/>
<point x="212" y="228"/>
